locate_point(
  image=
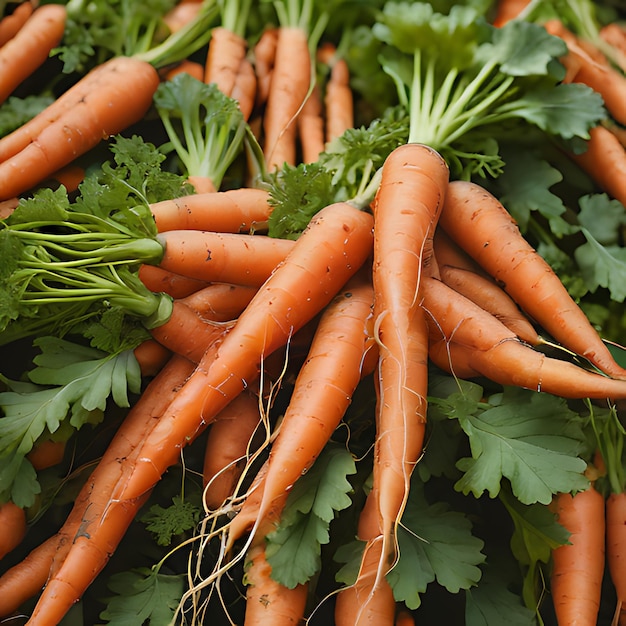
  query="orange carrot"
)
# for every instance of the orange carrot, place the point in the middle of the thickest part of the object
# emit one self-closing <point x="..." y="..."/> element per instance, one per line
<point x="480" y="225"/>
<point x="338" y="100"/>
<point x="223" y="257"/>
<point x="267" y="601"/>
<point x="322" y="392"/>
<point x="159" y="280"/>
<point x="151" y="356"/>
<point x="291" y="78"/>
<point x="229" y="442"/>
<point x="181" y="14"/>
<point x="13" y="524"/>
<point x="616" y="547"/>
<point x="331" y="249"/>
<point x="70" y="176"/>
<point x="193" y="68"/>
<point x="488" y="295"/>
<point x="30" y="47"/>
<point x="578" y="567"/>
<point x="55" y="137"/>
<point x="600" y="76"/>
<point x="245" y="88"/>
<point x="404" y="618"/>
<point x="605" y="161"/>
<point x="264" y="53"/>
<point x="220" y="302"/>
<point x="234" y="211"/>
<point x="311" y="127"/>
<point x="507" y="10"/>
<point x="477" y="340"/>
<point x="406" y="210"/>
<point x="227" y="50"/>
<point x="10" y="24"/>
<point x="614" y="34"/>
<point x="46" y="453"/>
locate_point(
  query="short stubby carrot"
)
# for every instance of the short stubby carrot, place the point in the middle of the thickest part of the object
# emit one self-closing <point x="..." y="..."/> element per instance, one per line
<point x="578" y="567"/>
<point x="479" y="224"/>
<point x="238" y="210"/>
<point x="616" y="546"/>
<point x="406" y="210"/>
<point x="31" y="46"/>
<point x="333" y="247"/>
<point x="477" y="341"/>
<point x="93" y="109"/>
<point x="223" y="257"/>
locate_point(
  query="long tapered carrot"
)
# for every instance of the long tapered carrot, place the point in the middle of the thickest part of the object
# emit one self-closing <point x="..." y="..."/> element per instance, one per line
<point x="245" y="88"/>
<point x="605" y="162"/>
<point x="264" y="54"/>
<point x="92" y="110"/>
<point x="291" y="77"/>
<point x="478" y="341"/>
<point x="226" y="51"/>
<point x="31" y="46"/>
<point x="223" y="257"/>
<point x="310" y="125"/>
<point x="13" y="524"/>
<point x="406" y="210"/>
<point x="331" y="249"/>
<point x="480" y="225"/>
<point x="322" y="392"/>
<point x="233" y="211"/>
<point x="578" y="568"/>
<point x="616" y="547"/>
<point x="12" y="23"/>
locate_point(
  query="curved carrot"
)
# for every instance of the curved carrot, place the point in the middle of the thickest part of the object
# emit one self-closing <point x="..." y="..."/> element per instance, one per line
<point x="31" y="46"/>
<point x="578" y="567"/>
<point x="480" y="225"/>
<point x="616" y="546"/>
<point x="477" y="341"/>
<point x="13" y="524"/>
<point x="331" y="249"/>
<point x="60" y="133"/>
<point x="226" y="51"/>
<point x="160" y="280"/>
<point x="11" y="24"/>
<point x="291" y="78"/>
<point x="223" y="257"/>
<point x="227" y="446"/>
<point x="605" y="162"/>
<point x="488" y="295"/>
<point x="233" y="211"/>
<point x="322" y="392"/>
<point x="406" y="210"/>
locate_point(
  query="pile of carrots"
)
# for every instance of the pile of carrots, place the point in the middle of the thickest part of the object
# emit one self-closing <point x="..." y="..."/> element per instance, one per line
<point x="433" y="272"/>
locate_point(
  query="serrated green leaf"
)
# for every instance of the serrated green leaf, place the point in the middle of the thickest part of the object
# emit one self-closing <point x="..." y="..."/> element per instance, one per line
<point x="142" y="594"/>
<point x="532" y="439"/>
<point x="165" y="523"/>
<point x="18" y="480"/>
<point x="602" y="217"/>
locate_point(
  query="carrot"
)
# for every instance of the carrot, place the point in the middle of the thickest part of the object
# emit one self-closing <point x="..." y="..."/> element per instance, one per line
<point x="600" y="76"/>
<point x="507" y="10"/>
<point x="480" y="225"/>
<point x="238" y="210"/>
<point x="70" y="176"/>
<point x="53" y="138"/>
<point x="223" y="257"/>
<point x="228" y="444"/>
<point x="406" y="210"/>
<point x="338" y="101"/>
<point x="578" y="567"/>
<point x="370" y="600"/>
<point x="193" y="68"/>
<point x="447" y="252"/>
<point x="605" y="161"/>
<point x="616" y="547"/>
<point x="220" y="302"/>
<point x="264" y="54"/>
<point x="331" y="249"/>
<point x="404" y="618"/>
<point x="13" y="524"/>
<point x="151" y="356"/>
<point x="30" y="47"/>
<point x="227" y="50"/>
<point x="245" y="88"/>
<point x="12" y="23"/>
<point x="477" y="341"/>
<point x="267" y="601"/>
<point x="322" y="392"/>
<point x="86" y="541"/>
<point x="159" y="280"/>
<point x="181" y="14"/>
<point x="311" y="127"/>
<point x="291" y="78"/>
<point x="488" y="295"/>
<point x="46" y="453"/>
<point x="614" y="34"/>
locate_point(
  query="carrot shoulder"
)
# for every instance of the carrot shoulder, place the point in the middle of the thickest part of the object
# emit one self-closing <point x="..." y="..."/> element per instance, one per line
<point x="480" y="225"/>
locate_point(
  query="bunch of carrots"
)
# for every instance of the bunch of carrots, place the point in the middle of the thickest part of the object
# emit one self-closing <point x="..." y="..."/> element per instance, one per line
<point x="424" y="269"/>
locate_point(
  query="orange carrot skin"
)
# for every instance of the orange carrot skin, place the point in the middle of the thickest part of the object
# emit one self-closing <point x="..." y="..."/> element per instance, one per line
<point x="226" y="52"/>
<point x="159" y="280"/>
<point x="232" y="211"/>
<point x="480" y="225"/>
<point x="332" y="248"/>
<point x="11" y="24"/>
<point x="507" y="10"/>
<point x="220" y="302"/>
<point x="30" y="47"/>
<point x="92" y="110"/>
<point x="151" y="356"/>
<point x="223" y="257"/>
<point x="578" y="568"/>
<point x="616" y="544"/>
<point x="13" y="524"/>
<point x="339" y="101"/>
<point x="245" y="88"/>
<point x="187" y="66"/>
<point x="264" y="57"/>
<point x="311" y="127"/>
<point x="477" y="341"/>
<point x="46" y="453"/>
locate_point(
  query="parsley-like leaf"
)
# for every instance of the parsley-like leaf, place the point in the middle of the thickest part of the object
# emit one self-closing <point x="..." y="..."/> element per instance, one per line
<point x="165" y="523"/>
